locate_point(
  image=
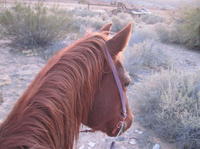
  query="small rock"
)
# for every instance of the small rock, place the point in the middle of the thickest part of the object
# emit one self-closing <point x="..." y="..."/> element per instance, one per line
<point x="132" y="141"/>
<point x="26" y="51"/>
<point x="91" y="144"/>
<point x="139" y="131"/>
<point x="156" y="146"/>
<point x="1" y="98"/>
<point x="5" y="80"/>
<point x="82" y="147"/>
<point x="120" y="138"/>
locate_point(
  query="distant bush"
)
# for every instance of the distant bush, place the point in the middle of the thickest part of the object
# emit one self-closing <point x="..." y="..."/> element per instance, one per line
<point x="2" y="32"/>
<point x="169" y="103"/>
<point x="87" y="22"/>
<point x="145" y="56"/>
<point x="151" y="19"/>
<point x="186" y="30"/>
<point x="168" y="34"/>
<point x="84" y="12"/>
<point x="1" y="98"/>
<point x="164" y="33"/>
<point x="120" y="20"/>
<point x="83" y="1"/>
<point x="142" y="34"/>
<point x="36" y="25"/>
<point x="84" y="19"/>
<point x="189" y="29"/>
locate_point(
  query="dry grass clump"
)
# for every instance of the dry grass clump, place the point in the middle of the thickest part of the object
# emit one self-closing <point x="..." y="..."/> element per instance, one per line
<point x="34" y="26"/>
<point x="141" y="34"/>
<point x="2" y="32"/>
<point x="87" y="22"/>
<point x="190" y="27"/>
<point x="169" y="103"/>
<point x="145" y="56"/>
<point x="85" y="19"/>
<point x="185" y="30"/>
<point x="151" y="19"/>
<point x="165" y="33"/>
<point x="1" y="98"/>
<point x="120" y="20"/>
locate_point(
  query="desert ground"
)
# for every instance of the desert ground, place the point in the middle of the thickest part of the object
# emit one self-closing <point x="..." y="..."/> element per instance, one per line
<point x="19" y="66"/>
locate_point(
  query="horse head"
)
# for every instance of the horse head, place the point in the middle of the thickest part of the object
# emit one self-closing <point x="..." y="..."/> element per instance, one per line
<point x="106" y="111"/>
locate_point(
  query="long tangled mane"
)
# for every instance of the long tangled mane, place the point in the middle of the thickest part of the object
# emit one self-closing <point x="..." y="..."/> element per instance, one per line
<point x="49" y="113"/>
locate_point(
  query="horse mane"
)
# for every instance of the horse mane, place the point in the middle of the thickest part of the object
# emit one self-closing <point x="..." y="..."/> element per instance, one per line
<point x="49" y="113"/>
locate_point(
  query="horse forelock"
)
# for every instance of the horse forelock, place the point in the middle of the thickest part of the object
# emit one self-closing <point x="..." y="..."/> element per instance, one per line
<point x="49" y="113"/>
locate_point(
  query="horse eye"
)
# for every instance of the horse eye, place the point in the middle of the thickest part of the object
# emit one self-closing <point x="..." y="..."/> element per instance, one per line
<point x="126" y="79"/>
<point x="126" y="84"/>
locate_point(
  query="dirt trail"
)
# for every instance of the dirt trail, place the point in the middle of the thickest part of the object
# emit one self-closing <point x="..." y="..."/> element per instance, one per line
<point x="18" y="70"/>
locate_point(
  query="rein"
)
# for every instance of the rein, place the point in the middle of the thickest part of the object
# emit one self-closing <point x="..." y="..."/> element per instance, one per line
<point x="121" y="124"/>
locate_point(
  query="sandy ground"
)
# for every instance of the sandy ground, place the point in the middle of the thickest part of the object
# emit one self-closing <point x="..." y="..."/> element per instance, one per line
<point x="17" y="70"/>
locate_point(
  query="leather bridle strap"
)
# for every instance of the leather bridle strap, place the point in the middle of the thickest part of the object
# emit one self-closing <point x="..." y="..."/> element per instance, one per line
<point x="122" y="124"/>
<point x="118" y="83"/>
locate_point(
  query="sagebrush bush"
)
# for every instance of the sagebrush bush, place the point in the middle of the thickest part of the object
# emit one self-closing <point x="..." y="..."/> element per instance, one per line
<point x="35" y="25"/>
<point x="86" y="19"/>
<point x="83" y="12"/>
<point x="2" y="32"/>
<point x="1" y="98"/>
<point x="189" y="28"/>
<point x="142" y="34"/>
<point x="151" y="19"/>
<point x="120" y="20"/>
<point x="163" y="33"/>
<point x="168" y="34"/>
<point x="185" y="30"/>
<point x="169" y="103"/>
<point x="145" y="56"/>
<point x="87" y="22"/>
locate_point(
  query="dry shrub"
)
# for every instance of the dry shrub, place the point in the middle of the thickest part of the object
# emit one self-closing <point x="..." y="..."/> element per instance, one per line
<point x="120" y="20"/>
<point x="169" y="103"/>
<point x="151" y="19"/>
<point x="165" y="33"/>
<point x="142" y="34"/>
<point x="34" y="26"/>
<point x="189" y="29"/>
<point x="185" y="30"/>
<point x="1" y="98"/>
<point x="84" y="19"/>
<point x="145" y="56"/>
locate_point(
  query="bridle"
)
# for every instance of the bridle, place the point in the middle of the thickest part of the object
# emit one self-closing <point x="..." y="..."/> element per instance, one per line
<point x="121" y="125"/>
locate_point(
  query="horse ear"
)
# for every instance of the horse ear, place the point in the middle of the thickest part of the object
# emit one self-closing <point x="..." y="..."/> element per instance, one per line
<point x="118" y="42"/>
<point x="106" y="28"/>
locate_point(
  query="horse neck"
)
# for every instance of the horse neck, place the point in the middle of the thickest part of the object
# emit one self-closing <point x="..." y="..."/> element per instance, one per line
<point x="61" y="99"/>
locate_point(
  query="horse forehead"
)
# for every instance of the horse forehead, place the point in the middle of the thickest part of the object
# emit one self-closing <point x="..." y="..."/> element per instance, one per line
<point x="118" y="63"/>
<point x="121" y="71"/>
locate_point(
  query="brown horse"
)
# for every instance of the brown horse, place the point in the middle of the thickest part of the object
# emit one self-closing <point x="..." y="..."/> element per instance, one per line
<point x="76" y="86"/>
